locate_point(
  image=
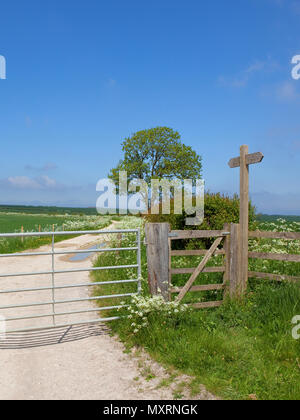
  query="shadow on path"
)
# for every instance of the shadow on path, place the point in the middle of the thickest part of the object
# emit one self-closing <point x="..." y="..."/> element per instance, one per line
<point x="48" y="337"/>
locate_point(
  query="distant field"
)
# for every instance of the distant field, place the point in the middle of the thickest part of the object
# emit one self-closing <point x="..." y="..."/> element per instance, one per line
<point x="49" y="210"/>
<point x="91" y="211"/>
<point x="274" y="217"/>
<point x="13" y="222"/>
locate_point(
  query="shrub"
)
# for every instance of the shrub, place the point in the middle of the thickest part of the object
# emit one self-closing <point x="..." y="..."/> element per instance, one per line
<point x="218" y="210"/>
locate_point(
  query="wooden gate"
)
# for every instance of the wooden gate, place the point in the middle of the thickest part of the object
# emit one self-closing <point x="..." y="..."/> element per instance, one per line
<point x="159" y="241"/>
<point x="202" y="267"/>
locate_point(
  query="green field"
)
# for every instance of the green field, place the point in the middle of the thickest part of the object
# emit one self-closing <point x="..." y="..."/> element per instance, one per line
<point x="272" y="218"/>
<point x="13" y="222"/>
<point x="48" y="210"/>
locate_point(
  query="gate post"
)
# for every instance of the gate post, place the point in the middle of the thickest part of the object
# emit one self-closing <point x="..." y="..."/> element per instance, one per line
<point x="235" y="278"/>
<point x="226" y="247"/>
<point x="157" y="242"/>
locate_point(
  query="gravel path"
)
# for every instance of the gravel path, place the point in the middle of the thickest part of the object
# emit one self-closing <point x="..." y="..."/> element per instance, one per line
<point x="80" y="362"/>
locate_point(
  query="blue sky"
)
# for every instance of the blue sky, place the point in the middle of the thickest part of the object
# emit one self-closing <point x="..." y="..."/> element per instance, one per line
<point x="82" y="76"/>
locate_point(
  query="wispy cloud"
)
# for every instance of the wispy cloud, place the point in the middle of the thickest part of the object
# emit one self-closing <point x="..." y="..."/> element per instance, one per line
<point x="45" y="191"/>
<point x="28" y="121"/>
<point x="22" y="182"/>
<point x="111" y="82"/>
<point x="292" y="5"/>
<point x="46" y="181"/>
<point x="296" y="145"/>
<point x="27" y="183"/>
<point x="287" y="92"/>
<point x="295" y="7"/>
<point x="242" y="78"/>
<point x="44" y="168"/>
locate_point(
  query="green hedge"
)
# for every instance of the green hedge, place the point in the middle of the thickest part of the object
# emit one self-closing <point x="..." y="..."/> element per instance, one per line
<point x="218" y="210"/>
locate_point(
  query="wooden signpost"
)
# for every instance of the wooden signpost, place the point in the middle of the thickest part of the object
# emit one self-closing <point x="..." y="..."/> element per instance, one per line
<point x="159" y="251"/>
<point x="243" y="162"/>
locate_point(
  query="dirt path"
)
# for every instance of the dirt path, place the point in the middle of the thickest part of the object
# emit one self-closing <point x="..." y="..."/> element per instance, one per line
<point x="80" y="362"/>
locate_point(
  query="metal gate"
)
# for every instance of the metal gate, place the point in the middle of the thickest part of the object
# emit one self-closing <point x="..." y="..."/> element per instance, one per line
<point x="48" y="283"/>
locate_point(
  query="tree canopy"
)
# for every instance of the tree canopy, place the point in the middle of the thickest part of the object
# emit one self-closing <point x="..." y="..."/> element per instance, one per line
<point x="157" y="153"/>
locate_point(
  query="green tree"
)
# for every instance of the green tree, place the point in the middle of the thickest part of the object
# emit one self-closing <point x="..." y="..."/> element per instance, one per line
<point x="157" y="153"/>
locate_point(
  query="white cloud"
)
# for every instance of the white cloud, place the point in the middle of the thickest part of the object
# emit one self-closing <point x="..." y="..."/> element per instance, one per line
<point x="48" y="182"/>
<point x="27" y="183"/>
<point x="23" y="182"/>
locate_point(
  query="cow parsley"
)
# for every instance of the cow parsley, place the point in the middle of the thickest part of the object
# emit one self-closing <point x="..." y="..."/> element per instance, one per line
<point x="142" y="309"/>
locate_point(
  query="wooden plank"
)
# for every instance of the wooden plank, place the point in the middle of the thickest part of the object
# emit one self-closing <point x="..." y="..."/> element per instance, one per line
<point x="200" y="288"/>
<point x="234" y="269"/>
<point x="194" y="252"/>
<point x="203" y="305"/>
<point x="250" y="160"/>
<point x="276" y="277"/>
<point x="275" y="235"/>
<point x="199" y="269"/>
<point x="158" y="258"/>
<point x="218" y="269"/>
<point x="278" y="257"/>
<point x="195" y="234"/>
<point x="234" y="162"/>
<point x="244" y="218"/>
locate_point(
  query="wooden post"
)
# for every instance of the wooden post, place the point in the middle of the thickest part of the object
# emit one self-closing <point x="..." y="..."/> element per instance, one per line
<point x="157" y="241"/>
<point x="170" y="268"/>
<point x="234" y="261"/>
<point x="226" y="247"/>
<point x="244" y="216"/>
<point x="22" y="231"/>
<point x="243" y="162"/>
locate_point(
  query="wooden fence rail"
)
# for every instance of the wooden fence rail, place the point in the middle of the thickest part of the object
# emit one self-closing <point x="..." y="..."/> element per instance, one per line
<point x="275" y="277"/>
<point x="276" y="257"/>
<point x="275" y="235"/>
<point x="194" y="252"/>
<point x="196" y="234"/>
<point x="219" y="269"/>
<point x="159" y="250"/>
